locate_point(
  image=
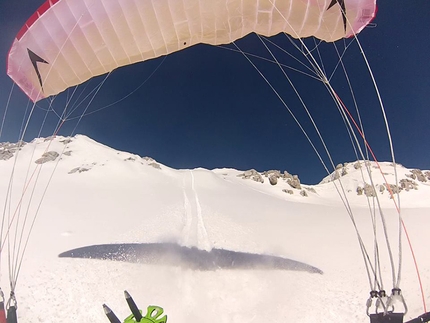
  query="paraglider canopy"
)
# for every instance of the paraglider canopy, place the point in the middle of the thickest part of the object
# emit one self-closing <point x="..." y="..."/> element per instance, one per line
<point x="66" y="42"/>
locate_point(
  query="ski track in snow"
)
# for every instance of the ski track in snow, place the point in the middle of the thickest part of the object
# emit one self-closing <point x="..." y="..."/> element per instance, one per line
<point x="194" y="233"/>
<point x="186" y="231"/>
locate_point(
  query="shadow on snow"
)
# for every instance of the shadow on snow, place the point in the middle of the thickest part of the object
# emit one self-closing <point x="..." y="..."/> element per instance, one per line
<point x="193" y="258"/>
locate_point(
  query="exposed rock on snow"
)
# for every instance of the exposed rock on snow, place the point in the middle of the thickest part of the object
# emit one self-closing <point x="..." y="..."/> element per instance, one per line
<point x="277" y="177"/>
<point x="150" y="162"/>
<point x="408" y="179"/>
<point x="272" y="172"/>
<point x="66" y="141"/>
<point x="369" y="190"/>
<point x="274" y="176"/>
<point x="357" y="165"/>
<point x="273" y="179"/>
<point x="418" y="175"/>
<point x="47" y="157"/>
<point x="408" y="184"/>
<point x="155" y="165"/>
<point x="393" y="188"/>
<point x="48" y="138"/>
<point x="335" y="175"/>
<point x="79" y="170"/>
<point x="344" y="171"/>
<point x="267" y="173"/>
<point x="339" y="171"/>
<point x="252" y="174"/>
<point x="5" y="154"/>
<point x="311" y="189"/>
<point x="294" y="182"/>
<point x="7" y="149"/>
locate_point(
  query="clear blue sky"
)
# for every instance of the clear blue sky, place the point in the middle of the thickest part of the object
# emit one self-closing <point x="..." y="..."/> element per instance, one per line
<point x="207" y="107"/>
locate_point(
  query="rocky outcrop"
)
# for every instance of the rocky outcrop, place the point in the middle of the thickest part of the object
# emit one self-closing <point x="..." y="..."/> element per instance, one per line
<point x="341" y="170"/>
<point x="273" y="176"/>
<point x="288" y="191"/>
<point x="273" y="179"/>
<point x="155" y="165"/>
<point x="369" y="190"/>
<point x="272" y="172"/>
<point x="335" y="175"/>
<point x="419" y="175"/>
<point x="311" y="189"/>
<point x="344" y="171"/>
<point x="392" y="188"/>
<point x="410" y="181"/>
<point x="357" y="165"/>
<point x="47" y="157"/>
<point x="66" y="141"/>
<point x="252" y="174"/>
<point x="6" y="154"/>
<point x="8" y="149"/>
<point x="407" y="184"/>
<point x="294" y="182"/>
<point x="79" y="170"/>
<point x="150" y="162"/>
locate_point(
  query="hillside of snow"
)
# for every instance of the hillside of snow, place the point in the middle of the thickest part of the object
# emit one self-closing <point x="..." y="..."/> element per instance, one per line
<point x="220" y="245"/>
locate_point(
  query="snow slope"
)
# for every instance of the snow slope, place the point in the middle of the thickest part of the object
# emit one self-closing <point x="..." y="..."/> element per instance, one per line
<point x="145" y="214"/>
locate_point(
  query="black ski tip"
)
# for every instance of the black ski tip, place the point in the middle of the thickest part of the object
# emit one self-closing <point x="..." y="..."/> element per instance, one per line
<point x="106" y="309"/>
<point x="110" y="314"/>
<point x="133" y="307"/>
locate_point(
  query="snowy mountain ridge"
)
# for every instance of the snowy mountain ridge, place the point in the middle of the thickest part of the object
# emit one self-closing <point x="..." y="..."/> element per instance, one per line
<point x="81" y="154"/>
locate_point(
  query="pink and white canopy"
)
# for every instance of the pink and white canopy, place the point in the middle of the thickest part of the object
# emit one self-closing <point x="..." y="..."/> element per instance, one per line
<point x="66" y="42"/>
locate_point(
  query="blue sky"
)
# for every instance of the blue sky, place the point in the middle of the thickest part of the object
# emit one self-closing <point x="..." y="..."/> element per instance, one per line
<point x="208" y="107"/>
